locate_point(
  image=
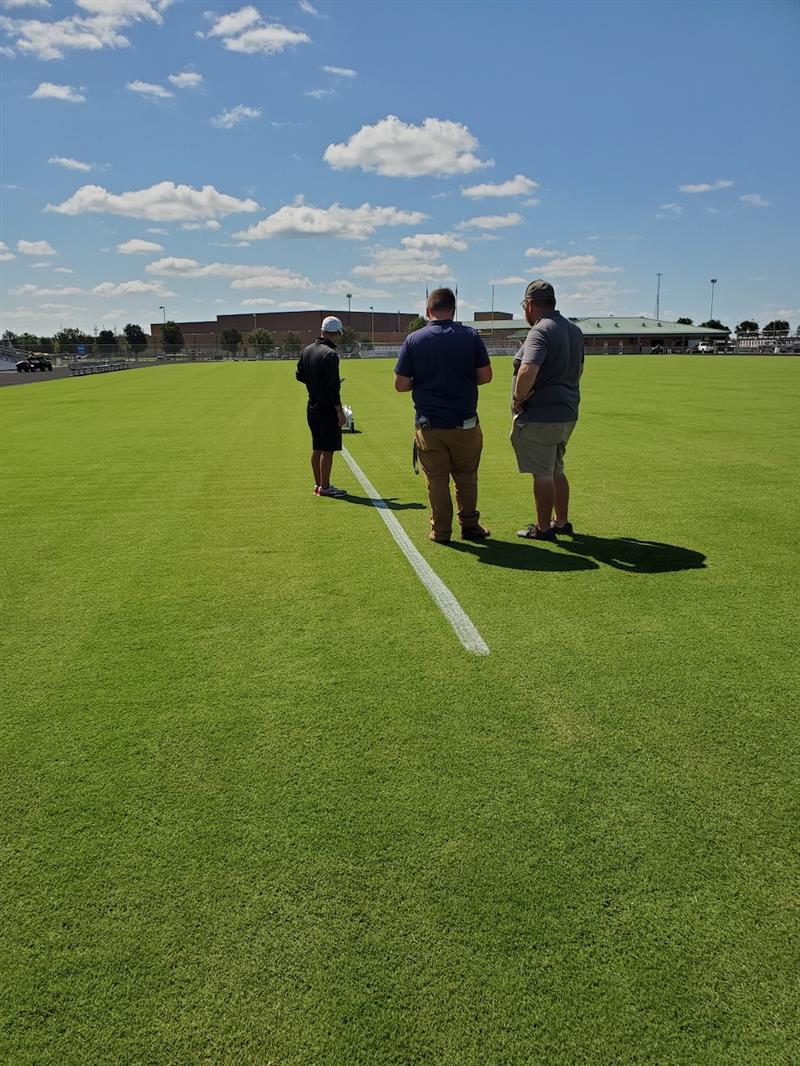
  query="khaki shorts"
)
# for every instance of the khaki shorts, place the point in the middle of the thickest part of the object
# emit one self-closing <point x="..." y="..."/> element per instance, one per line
<point x="540" y="446"/>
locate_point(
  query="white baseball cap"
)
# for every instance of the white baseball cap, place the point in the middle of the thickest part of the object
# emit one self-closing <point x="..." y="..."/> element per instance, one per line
<point x="332" y="325"/>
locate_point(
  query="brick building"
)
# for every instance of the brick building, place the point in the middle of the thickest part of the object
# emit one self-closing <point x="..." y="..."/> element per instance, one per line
<point x="382" y="327"/>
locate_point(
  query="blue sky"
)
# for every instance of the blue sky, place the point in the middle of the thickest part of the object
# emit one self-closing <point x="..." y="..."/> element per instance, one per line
<point x="222" y="157"/>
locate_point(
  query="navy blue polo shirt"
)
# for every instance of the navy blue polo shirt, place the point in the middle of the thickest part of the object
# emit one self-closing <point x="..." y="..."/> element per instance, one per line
<point x="441" y="359"/>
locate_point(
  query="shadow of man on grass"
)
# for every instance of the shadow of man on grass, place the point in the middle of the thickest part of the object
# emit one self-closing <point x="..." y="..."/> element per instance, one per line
<point x="521" y="556"/>
<point x="586" y="553"/>
<point x="634" y="556"/>
<point x="390" y="502"/>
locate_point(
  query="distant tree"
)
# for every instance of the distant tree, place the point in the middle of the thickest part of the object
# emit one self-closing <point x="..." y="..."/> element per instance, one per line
<point x="67" y="340"/>
<point x="27" y="342"/>
<point x="777" y="326"/>
<point x="748" y="326"/>
<point x="136" y="337"/>
<point x="350" y="339"/>
<point x="685" y="322"/>
<point x="46" y="345"/>
<point x="106" y="341"/>
<point x="231" y="339"/>
<point x="9" y="336"/>
<point x="260" y="341"/>
<point x="713" y="323"/>
<point x="415" y="324"/>
<point x="292" y="343"/>
<point x="171" y="337"/>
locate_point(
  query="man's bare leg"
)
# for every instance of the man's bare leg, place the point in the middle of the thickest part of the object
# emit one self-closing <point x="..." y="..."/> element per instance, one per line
<point x="325" y="464"/>
<point x="315" y="458"/>
<point x="561" y="501"/>
<point x="544" y="498"/>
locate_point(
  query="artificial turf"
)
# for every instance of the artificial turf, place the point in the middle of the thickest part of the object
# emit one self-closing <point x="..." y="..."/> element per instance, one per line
<point x="259" y="806"/>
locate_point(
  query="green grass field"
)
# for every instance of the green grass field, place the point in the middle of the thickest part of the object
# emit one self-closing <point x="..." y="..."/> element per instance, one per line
<point x="259" y="806"/>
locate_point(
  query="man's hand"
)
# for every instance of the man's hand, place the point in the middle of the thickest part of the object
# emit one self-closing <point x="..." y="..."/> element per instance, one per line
<point x="517" y="406"/>
<point x="342" y="417"/>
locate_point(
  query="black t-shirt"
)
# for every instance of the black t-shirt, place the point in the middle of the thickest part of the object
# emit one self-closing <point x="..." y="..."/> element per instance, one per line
<point x="318" y="369"/>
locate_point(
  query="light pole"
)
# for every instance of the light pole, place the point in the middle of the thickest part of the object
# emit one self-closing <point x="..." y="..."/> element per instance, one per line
<point x="658" y="297"/>
<point x="713" y="283"/>
<point x="349" y="298"/>
<point x="372" y="309"/>
<point x="162" y="308"/>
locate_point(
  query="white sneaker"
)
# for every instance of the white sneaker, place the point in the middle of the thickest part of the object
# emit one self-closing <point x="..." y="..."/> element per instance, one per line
<point x="331" y="490"/>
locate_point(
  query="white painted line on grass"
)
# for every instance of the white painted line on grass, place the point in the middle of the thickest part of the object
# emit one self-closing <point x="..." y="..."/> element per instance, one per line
<point x="442" y="596"/>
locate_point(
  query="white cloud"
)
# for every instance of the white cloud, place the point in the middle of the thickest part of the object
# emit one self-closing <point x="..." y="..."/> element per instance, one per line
<point x="35" y="290"/>
<point x="212" y="224"/>
<point x="320" y="94"/>
<point x="754" y="199"/>
<point x="358" y="292"/>
<point x="257" y="301"/>
<point x="226" y="120"/>
<point x="575" y="266"/>
<point x="712" y="210"/>
<point x="595" y="297"/>
<point x="670" y="211"/>
<point x="131" y="288"/>
<point x="91" y="32"/>
<point x="543" y="253"/>
<point x="55" y="308"/>
<point x="149" y="89"/>
<point x="245" y="31"/>
<point x="69" y="164"/>
<point x="138" y="247"/>
<point x="394" y="265"/>
<point x="158" y="230"/>
<point x="348" y="223"/>
<point x="46" y="90"/>
<point x="519" y="185"/>
<point x="62" y="270"/>
<point x="5" y="253"/>
<point x="492" y="221"/>
<point x="236" y="22"/>
<point x="435" y="240"/>
<point x="9" y="53"/>
<point x="163" y="202"/>
<point x="705" y="186"/>
<point x="187" y="79"/>
<point x="308" y="7"/>
<point x="35" y="248"/>
<point x="340" y="72"/>
<point x="246" y="277"/>
<point x="268" y="39"/>
<point x="25" y="3"/>
<point x="513" y="279"/>
<point x="397" y="149"/>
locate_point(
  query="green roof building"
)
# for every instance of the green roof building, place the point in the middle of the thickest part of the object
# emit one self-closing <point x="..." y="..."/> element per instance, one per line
<point x="613" y="333"/>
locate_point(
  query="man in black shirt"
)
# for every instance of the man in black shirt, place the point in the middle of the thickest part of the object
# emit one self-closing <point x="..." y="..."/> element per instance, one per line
<point x="318" y="369"/>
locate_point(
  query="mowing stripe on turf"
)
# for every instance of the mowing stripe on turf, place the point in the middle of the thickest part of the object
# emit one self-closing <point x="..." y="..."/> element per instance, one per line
<point x="442" y="596"/>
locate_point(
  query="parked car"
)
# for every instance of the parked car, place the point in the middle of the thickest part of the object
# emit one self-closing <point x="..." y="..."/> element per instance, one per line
<point x="32" y="363"/>
<point x="705" y="346"/>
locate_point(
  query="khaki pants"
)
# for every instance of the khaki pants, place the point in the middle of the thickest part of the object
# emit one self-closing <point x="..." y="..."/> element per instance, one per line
<point x="446" y="453"/>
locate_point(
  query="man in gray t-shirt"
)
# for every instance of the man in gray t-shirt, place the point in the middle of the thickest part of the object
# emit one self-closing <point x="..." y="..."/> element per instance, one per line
<point x="545" y="400"/>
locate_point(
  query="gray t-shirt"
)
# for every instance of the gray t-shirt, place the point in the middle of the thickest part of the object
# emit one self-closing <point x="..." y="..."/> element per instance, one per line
<point x="555" y="345"/>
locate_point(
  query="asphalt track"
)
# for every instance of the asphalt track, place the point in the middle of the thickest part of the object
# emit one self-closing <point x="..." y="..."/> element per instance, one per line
<point x="13" y="377"/>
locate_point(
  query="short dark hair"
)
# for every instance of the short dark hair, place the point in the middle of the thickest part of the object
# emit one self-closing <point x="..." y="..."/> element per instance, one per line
<point x="442" y="300"/>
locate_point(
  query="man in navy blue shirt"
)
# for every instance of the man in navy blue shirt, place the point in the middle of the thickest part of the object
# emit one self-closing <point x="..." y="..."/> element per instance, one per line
<point x="442" y="365"/>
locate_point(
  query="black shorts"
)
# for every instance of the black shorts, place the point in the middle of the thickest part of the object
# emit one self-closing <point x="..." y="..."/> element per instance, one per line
<point x="326" y="433"/>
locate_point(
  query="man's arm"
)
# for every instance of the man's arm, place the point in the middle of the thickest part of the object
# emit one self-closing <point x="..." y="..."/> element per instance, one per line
<point x="523" y="385"/>
<point x="404" y="369"/>
<point x="483" y="375"/>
